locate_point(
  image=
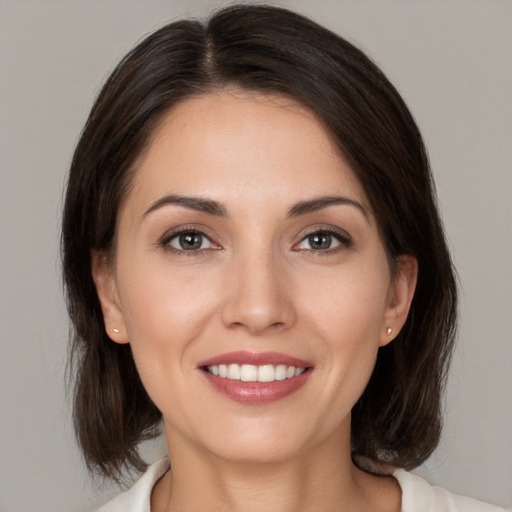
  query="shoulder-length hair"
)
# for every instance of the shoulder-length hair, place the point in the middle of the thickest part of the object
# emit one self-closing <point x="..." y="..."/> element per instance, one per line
<point x="397" y="420"/>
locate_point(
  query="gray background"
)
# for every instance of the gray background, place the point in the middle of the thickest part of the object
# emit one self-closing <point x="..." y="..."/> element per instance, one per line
<point x="452" y="62"/>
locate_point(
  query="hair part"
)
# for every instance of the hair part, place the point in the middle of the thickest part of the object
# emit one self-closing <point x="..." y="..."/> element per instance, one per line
<point x="270" y="50"/>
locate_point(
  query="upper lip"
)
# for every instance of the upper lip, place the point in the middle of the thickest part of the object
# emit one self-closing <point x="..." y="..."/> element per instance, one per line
<point x="256" y="359"/>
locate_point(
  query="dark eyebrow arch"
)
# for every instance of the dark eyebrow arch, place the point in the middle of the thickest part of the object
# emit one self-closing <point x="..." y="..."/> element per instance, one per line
<point x="319" y="203"/>
<point x="195" y="203"/>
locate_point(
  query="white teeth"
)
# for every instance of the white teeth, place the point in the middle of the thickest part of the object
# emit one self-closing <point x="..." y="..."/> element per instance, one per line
<point x="234" y="372"/>
<point x="249" y="373"/>
<point x="266" y="373"/>
<point x="280" y="372"/>
<point x="252" y="373"/>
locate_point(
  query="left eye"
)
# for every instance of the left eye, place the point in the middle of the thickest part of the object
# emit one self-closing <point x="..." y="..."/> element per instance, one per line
<point x="320" y="241"/>
<point x="190" y="241"/>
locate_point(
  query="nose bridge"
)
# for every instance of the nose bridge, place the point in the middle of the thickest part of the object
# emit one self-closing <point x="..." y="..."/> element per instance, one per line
<point x="257" y="297"/>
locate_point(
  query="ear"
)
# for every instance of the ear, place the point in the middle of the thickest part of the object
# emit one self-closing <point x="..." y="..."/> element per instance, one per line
<point x="400" y="298"/>
<point x="106" y="288"/>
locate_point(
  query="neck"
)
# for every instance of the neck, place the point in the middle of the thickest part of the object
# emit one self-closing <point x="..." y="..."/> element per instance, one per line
<point x="322" y="480"/>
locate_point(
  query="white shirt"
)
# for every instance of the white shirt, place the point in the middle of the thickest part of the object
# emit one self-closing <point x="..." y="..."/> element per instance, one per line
<point x="417" y="495"/>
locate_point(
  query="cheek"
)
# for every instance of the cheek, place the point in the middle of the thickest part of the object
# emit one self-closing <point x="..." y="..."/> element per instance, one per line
<point x="351" y="302"/>
<point x="160" y="296"/>
<point x="164" y="312"/>
<point x="164" y="316"/>
<point x="347" y="313"/>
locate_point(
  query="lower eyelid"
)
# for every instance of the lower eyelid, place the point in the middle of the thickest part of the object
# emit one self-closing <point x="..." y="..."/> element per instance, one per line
<point x="168" y="238"/>
<point x="176" y="238"/>
<point x="342" y="240"/>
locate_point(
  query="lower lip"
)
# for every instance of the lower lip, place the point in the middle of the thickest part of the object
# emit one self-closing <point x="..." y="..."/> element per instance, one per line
<point x="257" y="392"/>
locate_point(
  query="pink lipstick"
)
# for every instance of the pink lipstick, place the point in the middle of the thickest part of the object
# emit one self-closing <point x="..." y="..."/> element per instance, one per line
<point x="252" y="377"/>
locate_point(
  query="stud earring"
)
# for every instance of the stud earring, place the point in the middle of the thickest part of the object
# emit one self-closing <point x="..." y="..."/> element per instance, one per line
<point x="115" y="330"/>
<point x="389" y="331"/>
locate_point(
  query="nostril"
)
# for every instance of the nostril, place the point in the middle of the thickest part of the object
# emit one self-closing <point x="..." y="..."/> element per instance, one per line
<point x="256" y="327"/>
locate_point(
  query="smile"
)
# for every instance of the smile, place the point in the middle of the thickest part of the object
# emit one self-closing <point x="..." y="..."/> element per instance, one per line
<point x="253" y="373"/>
<point x="256" y="378"/>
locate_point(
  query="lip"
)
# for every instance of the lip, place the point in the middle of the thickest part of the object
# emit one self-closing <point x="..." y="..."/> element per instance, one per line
<point x="256" y="392"/>
<point x="256" y="358"/>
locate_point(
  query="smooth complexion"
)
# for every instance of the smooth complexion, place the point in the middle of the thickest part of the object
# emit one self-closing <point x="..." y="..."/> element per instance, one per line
<point x="245" y="236"/>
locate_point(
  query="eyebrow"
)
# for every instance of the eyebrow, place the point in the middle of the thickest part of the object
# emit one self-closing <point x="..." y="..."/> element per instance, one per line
<point x="216" y="209"/>
<point x="319" y="203"/>
<point x="195" y="203"/>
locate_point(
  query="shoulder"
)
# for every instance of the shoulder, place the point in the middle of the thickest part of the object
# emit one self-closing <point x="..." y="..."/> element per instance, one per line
<point x="420" y="496"/>
<point x="137" y="498"/>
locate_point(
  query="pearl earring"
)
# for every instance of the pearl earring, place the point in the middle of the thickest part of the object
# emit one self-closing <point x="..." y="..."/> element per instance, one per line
<point x="389" y="331"/>
<point x="115" y="330"/>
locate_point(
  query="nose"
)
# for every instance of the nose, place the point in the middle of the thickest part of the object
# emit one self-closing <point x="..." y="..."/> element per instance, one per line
<point x="258" y="297"/>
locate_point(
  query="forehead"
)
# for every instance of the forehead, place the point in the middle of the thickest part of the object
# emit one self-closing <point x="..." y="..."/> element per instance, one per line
<point x="231" y="143"/>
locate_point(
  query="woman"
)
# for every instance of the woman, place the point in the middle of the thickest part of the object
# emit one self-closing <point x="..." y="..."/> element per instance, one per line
<point x="252" y="252"/>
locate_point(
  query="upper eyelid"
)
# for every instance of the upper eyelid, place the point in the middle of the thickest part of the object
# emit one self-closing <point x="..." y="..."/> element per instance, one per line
<point x="202" y="230"/>
<point x="344" y="239"/>
<point x="342" y="233"/>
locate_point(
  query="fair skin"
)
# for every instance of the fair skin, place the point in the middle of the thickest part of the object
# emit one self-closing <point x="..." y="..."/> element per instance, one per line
<point x="245" y="230"/>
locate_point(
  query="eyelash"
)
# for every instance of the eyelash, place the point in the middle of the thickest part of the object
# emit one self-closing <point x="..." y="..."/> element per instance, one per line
<point x="344" y="241"/>
<point x="342" y="237"/>
<point x="167" y="239"/>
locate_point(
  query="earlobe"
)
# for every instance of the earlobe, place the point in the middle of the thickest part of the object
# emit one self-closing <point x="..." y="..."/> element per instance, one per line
<point x="401" y="295"/>
<point x="107" y="294"/>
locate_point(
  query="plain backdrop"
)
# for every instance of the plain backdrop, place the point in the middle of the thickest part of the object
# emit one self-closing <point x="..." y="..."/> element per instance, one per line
<point x="450" y="59"/>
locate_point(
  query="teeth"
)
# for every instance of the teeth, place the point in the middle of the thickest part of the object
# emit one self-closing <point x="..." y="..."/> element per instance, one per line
<point x="280" y="372"/>
<point x="234" y="372"/>
<point x="249" y="373"/>
<point x="266" y="373"/>
<point x="252" y="373"/>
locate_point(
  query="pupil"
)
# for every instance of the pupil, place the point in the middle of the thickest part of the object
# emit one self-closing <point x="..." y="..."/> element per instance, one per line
<point x="320" y="241"/>
<point x="190" y="241"/>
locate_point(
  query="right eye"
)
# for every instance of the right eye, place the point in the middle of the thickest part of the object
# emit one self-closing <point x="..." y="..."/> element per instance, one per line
<point x="189" y="241"/>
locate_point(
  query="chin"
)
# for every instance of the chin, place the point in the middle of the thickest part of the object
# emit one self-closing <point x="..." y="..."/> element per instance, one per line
<point x="270" y="441"/>
<point x="258" y="452"/>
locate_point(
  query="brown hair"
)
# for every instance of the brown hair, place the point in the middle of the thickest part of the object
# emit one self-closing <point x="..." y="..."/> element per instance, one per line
<point x="397" y="420"/>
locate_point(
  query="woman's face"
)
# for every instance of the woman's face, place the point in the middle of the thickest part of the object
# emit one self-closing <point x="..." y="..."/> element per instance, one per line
<point x="246" y="247"/>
